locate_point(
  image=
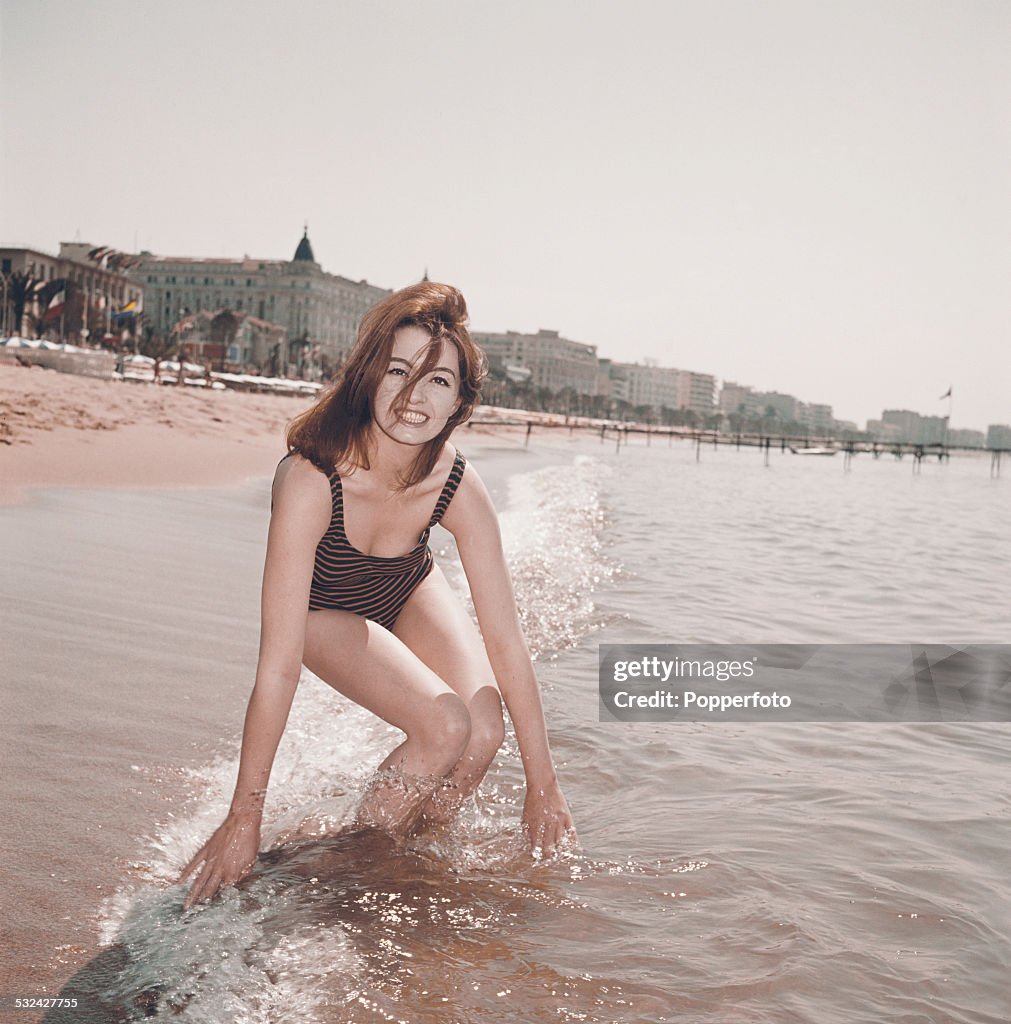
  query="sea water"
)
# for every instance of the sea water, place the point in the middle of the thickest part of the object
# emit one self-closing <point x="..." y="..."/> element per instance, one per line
<point x="748" y="872"/>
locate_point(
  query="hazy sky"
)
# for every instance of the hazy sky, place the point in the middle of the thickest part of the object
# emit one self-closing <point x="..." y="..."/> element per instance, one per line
<point x="807" y="196"/>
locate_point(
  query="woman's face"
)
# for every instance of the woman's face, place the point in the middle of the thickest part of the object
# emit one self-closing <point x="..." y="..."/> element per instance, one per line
<point x="433" y="399"/>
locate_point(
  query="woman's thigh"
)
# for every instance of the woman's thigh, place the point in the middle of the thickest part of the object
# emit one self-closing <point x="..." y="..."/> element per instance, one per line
<point x="372" y="667"/>
<point x="436" y="627"/>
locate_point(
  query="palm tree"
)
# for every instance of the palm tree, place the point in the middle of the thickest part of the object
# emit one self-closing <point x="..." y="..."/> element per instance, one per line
<point x="224" y="328"/>
<point x="155" y="346"/>
<point x="543" y="397"/>
<point x="770" y="419"/>
<point x="20" y="291"/>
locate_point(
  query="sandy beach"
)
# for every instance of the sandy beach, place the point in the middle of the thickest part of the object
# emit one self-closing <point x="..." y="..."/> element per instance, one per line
<point x="60" y="430"/>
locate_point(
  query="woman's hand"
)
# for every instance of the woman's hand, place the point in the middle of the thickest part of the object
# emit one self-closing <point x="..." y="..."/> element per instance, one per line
<point x="546" y="819"/>
<point x="227" y="856"/>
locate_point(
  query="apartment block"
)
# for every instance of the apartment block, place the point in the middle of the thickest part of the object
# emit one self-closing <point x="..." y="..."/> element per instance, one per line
<point x="554" y="362"/>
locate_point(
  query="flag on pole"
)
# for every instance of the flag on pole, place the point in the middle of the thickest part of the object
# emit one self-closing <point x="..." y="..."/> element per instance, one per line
<point x="56" y="304"/>
<point x="947" y="394"/>
<point x="101" y="255"/>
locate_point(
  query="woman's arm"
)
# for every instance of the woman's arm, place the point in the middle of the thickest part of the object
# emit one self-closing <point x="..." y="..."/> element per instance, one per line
<point x="472" y="520"/>
<point x="300" y="516"/>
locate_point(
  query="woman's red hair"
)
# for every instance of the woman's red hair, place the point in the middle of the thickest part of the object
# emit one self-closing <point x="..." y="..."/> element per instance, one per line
<point x="335" y="431"/>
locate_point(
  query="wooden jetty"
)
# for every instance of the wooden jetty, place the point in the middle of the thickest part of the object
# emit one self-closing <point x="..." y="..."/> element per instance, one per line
<point x="621" y="432"/>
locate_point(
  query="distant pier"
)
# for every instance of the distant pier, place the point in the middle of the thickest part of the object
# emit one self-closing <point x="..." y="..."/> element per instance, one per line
<point x="813" y="446"/>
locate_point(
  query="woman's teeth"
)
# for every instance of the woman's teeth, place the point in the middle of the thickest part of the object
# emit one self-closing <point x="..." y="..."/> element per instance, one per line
<point x="415" y="419"/>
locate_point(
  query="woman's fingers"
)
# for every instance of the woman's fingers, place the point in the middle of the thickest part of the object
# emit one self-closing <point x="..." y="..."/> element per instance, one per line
<point x="197" y="858"/>
<point x="549" y="836"/>
<point x="206" y="885"/>
<point x="210" y="880"/>
<point x="193" y="896"/>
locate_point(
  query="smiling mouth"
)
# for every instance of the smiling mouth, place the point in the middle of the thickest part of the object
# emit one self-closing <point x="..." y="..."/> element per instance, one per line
<point x="413" y="419"/>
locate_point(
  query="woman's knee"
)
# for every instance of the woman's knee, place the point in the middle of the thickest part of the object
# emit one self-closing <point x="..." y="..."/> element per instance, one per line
<point x="445" y="728"/>
<point x="487" y="729"/>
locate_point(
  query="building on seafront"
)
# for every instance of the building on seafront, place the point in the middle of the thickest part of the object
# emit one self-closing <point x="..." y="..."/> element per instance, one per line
<point x="739" y="400"/>
<point x="663" y="387"/>
<point x="998" y="437"/>
<point x="72" y="295"/>
<point x="319" y="311"/>
<point x="644" y="384"/>
<point x="696" y="392"/>
<point x="903" y="426"/>
<point x="815" y="418"/>
<point x="910" y="427"/>
<point x="962" y="438"/>
<point x="554" y="362"/>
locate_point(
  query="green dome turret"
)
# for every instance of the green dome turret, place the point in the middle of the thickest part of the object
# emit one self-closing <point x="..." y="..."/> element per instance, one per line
<point x="304" y="254"/>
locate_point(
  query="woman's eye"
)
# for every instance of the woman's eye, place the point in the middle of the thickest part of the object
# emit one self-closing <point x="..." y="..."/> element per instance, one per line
<point x="441" y="380"/>
<point x="399" y="370"/>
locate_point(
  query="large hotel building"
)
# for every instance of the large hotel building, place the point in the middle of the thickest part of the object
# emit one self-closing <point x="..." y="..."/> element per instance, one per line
<point x="313" y="306"/>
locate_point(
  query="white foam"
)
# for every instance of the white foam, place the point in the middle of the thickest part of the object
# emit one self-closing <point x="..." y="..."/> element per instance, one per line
<point x="553" y="534"/>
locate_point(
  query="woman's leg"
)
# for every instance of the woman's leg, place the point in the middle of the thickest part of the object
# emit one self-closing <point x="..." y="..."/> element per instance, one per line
<point x="372" y="667"/>
<point x="436" y="627"/>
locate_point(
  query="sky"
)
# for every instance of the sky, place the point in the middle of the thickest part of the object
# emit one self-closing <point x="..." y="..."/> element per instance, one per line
<point x="806" y="196"/>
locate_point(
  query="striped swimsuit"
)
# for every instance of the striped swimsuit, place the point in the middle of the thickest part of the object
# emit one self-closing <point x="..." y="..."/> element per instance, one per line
<point x="371" y="585"/>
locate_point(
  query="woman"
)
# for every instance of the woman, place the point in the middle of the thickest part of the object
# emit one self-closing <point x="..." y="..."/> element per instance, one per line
<point x="368" y="473"/>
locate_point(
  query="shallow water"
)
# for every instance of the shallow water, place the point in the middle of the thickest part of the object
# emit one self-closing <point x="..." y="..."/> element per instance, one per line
<point x="748" y="872"/>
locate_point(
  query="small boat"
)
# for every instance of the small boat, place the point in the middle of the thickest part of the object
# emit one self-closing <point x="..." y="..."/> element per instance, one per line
<point x="813" y="451"/>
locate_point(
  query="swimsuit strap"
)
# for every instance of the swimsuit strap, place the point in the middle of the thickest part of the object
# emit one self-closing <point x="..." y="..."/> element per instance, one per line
<point x="449" y="489"/>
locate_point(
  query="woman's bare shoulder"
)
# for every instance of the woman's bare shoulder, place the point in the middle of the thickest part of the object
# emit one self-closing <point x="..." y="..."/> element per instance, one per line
<point x="297" y="480"/>
<point x="470" y="502"/>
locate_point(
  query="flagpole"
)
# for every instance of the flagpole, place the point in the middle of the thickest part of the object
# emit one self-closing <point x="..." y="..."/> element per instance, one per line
<point x="947" y="426"/>
<point x="949" y="394"/>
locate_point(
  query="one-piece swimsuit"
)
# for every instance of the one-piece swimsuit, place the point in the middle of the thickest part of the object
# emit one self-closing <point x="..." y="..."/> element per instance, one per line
<point x="371" y="585"/>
